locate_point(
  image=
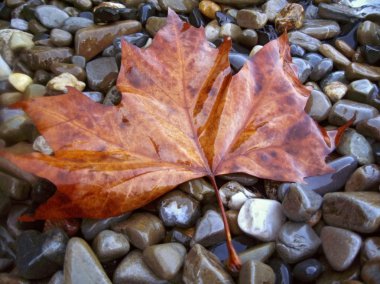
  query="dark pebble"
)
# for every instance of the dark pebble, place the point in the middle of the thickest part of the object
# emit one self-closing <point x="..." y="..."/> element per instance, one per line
<point x="307" y="270"/>
<point x="266" y="34"/>
<point x="196" y="18"/>
<point x="240" y="243"/>
<point x="138" y="39"/>
<point x="42" y="191"/>
<point x="376" y="152"/>
<point x="113" y="97"/>
<point x="296" y="50"/>
<point x="129" y="14"/>
<point x="146" y="11"/>
<point x="237" y="60"/>
<point x="372" y="54"/>
<point x="223" y="18"/>
<point x="106" y="15"/>
<point x="5" y="12"/>
<point x="282" y="271"/>
<point x="101" y="73"/>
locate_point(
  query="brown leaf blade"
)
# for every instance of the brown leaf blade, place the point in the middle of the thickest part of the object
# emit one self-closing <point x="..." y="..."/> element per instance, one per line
<point x="182" y="116"/>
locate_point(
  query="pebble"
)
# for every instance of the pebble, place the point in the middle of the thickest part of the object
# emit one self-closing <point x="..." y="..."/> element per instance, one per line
<point x="308" y="270"/>
<point x="7" y="99"/>
<point x="103" y="36"/>
<point x="81" y="264"/>
<point x="331" y="276"/>
<point x="154" y="24"/>
<point x="272" y="7"/>
<point x="232" y="216"/>
<point x="209" y="8"/>
<point x="282" y="271"/>
<point x="362" y="71"/>
<point x="303" y="68"/>
<point x="237" y="60"/>
<point x="230" y="30"/>
<point x="305" y="41"/>
<point x="132" y="269"/>
<point x="5" y="70"/>
<point x="41" y="57"/>
<point x="261" y="252"/>
<point x="365" y="178"/>
<point x="60" y="38"/>
<point x="178" y="209"/>
<point x="234" y="195"/>
<point x="102" y="73"/>
<point x="34" y="91"/>
<point x="223" y="18"/>
<point x="240" y="244"/>
<point x="146" y="11"/>
<point x="57" y="278"/>
<point x="243" y="179"/>
<point x="41" y="145"/>
<point x="370" y="249"/>
<point x="289" y="18"/>
<point x="360" y="91"/>
<point x="355" y="144"/>
<point x="20" y="81"/>
<point x="179" y="6"/>
<point x="321" y="69"/>
<point x="320" y="29"/>
<point x="251" y="19"/>
<point x="344" y="110"/>
<point x="336" y="76"/>
<point x="370" y="127"/>
<point x="200" y="189"/>
<point x="59" y="68"/>
<point x="340" y="246"/>
<point x="19" y="24"/>
<point x="196" y="18"/>
<point x="201" y="266"/>
<point x="338" y="58"/>
<point x="368" y="33"/>
<point x="209" y="229"/>
<point x="300" y="205"/>
<point x="74" y="24"/>
<point x="261" y="218"/>
<point x="335" y="91"/>
<point x="59" y="83"/>
<point x="212" y="31"/>
<point x="91" y="227"/>
<point x="165" y="260"/>
<point x="318" y="105"/>
<point x="370" y="272"/>
<point x="109" y="245"/>
<point x="296" y="50"/>
<point x="142" y="229"/>
<point x="248" y="38"/>
<point x="40" y="255"/>
<point x="50" y="16"/>
<point x="357" y="211"/>
<point x="296" y="241"/>
<point x="253" y="272"/>
<point x="372" y="54"/>
<point x="21" y="41"/>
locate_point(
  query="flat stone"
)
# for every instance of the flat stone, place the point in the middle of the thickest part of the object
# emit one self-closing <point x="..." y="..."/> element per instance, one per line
<point x="132" y="269"/>
<point x="242" y="178"/>
<point x="296" y="241"/>
<point x="109" y="245"/>
<point x="179" y="6"/>
<point x="74" y="24"/>
<point x="76" y="71"/>
<point x="248" y="38"/>
<point x="178" y="209"/>
<point x="300" y="205"/>
<point x="253" y="272"/>
<point x="201" y="266"/>
<point x="355" y="144"/>
<point x="34" y="91"/>
<point x="142" y="229"/>
<point x="165" y="260"/>
<point x="50" y="16"/>
<point x="102" y="73"/>
<point x="344" y="110"/>
<point x="40" y="255"/>
<point x="261" y="252"/>
<point x="318" y="105"/>
<point x="234" y="195"/>
<point x="370" y="272"/>
<point x="338" y="58"/>
<point x="209" y="229"/>
<point x="21" y="41"/>
<point x="251" y="19"/>
<point x="305" y="41"/>
<point x="320" y="29"/>
<point x="81" y="264"/>
<point x="42" y="57"/>
<point x="357" y="211"/>
<point x="340" y="247"/>
<point x="90" y="41"/>
<point x="365" y="178"/>
<point x="362" y="71"/>
<point x="337" y="12"/>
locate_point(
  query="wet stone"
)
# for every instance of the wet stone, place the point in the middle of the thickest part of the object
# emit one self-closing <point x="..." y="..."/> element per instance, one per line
<point x="50" y="16"/>
<point x="5" y="70"/>
<point x="20" y="81"/>
<point x="15" y="188"/>
<point x="362" y="71"/>
<point x="337" y="76"/>
<point x="19" y="24"/>
<point x="372" y="54"/>
<point x="272" y="7"/>
<point x="341" y="13"/>
<point x="196" y="18"/>
<point x="34" y="91"/>
<point x="223" y="18"/>
<point x="335" y="90"/>
<point x="230" y="30"/>
<point x="201" y="266"/>
<point x="74" y="24"/>
<point x="251" y="19"/>
<point x="200" y="189"/>
<point x="248" y="38"/>
<point x="113" y="97"/>
<point x="300" y="205"/>
<point x="343" y="110"/>
<point x="91" y="227"/>
<point x="154" y="24"/>
<point x="321" y="69"/>
<point x="179" y="6"/>
<point x="360" y="91"/>
<point x="60" y="38"/>
<point x="365" y="178"/>
<point x="320" y="29"/>
<point x="76" y="71"/>
<point x="234" y="195"/>
<point x="59" y="84"/>
<point x="178" y="209"/>
<point x="106" y="14"/>
<point x="340" y="247"/>
<point x="209" y="8"/>
<point x="356" y="145"/>
<point x="338" y="58"/>
<point x="137" y="39"/>
<point x="318" y="106"/>
<point x="21" y="41"/>
<point x="132" y="269"/>
<point x="305" y="41"/>
<point x="142" y="229"/>
<point x="282" y="271"/>
<point x="109" y="245"/>
<point x="57" y="278"/>
<point x="240" y="243"/>
<point x="81" y="264"/>
<point x="40" y="255"/>
<point x="307" y="270"/>
<point x="303" y="68"/>
<point x="243" y="179"/>
<point x="370" y="127"/>
<point x="369" y="33"/>
<point x="370" y="272"/>
<point x="296" y="50"/>
<point x="41" y="57"/>
<point x="165" y="260"/>
<point x="256" y="272"/>
<point x="370" y="249"/>
<point x="97" y="97"/>
<point x="266" y="34"/>
<point x="261" y="252"/>
<point x="289" y="18"/>
<point x="209" y="229"/>
<point x="296" y="241"/>
<point x="101" y="73"/>
<point x="357" y="211"/>
<point x="41" y="145"/>
<point x="212" y="31"/>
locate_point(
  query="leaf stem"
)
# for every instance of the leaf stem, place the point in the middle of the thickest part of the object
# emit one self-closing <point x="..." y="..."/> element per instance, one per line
<point x="233" y="263"/>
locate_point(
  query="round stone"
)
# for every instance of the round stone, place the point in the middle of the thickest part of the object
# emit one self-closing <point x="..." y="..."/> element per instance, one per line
<point x="109" y="245"/>
<point x="50" y="16"/>
<point x="20" y="81"/>
<point x="307" y="270"/>
<point x="60" y="37"/>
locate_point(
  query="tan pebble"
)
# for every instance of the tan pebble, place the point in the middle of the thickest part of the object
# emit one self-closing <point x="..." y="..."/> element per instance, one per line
<point x="335" y="91"/>
<point x="255" y="49"/>
<point x="59" y="83"/>
<point x="20" y="81"/>
<point x="9" y="98"/>
<point x="209" y="8"/>
<point x="290" y="17"/>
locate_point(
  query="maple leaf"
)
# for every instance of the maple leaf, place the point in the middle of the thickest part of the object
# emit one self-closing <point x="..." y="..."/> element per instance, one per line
<point x="183" y="115"/>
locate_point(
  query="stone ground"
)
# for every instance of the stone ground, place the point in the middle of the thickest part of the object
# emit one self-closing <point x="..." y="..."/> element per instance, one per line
<point x="325" y="231"/>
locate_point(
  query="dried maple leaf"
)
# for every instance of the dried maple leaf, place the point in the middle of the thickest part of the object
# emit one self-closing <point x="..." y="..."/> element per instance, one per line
<point x="182" y="116"/>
